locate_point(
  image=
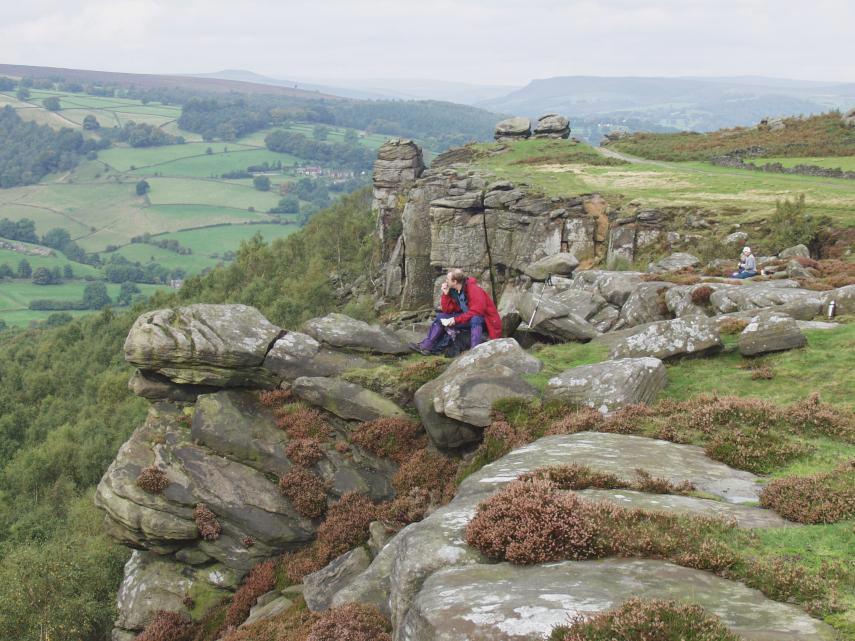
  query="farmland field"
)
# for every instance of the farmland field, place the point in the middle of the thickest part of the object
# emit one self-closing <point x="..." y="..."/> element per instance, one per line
<point x="12" y="258"/>
<point x="846" y="163"/>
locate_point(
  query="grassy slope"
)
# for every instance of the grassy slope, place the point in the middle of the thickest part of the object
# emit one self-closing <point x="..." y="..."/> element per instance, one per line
<point x="734" y="195"/>
<point x="823" y="135"/>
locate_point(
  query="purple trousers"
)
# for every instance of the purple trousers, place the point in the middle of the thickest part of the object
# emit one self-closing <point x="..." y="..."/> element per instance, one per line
<point x="475" y="327"/>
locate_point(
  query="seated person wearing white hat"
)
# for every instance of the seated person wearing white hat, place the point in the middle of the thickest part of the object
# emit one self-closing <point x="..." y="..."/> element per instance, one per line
<point x="747" y="265"/>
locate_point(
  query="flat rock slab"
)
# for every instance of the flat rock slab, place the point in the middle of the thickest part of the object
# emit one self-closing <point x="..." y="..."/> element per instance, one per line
<point x="674" y="263"/>
<point x="609" y="385"/>
<point x="344" y="332"/>
<point x="320" y="587"/>
<point x="562" y="264"/>
<point x="621" y="455"/>
<point x="695" y="335"/>
<point x="744" y="515"/>
<point x="345" y="400"/>
<point x="296" y="354"/>
<point x="770" y="332"/>
<point x="505" y="602"/>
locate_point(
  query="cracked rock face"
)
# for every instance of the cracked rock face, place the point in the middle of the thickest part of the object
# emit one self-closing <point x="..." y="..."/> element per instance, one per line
<point x="609" y="385"/>
<point x="222" y="345"/>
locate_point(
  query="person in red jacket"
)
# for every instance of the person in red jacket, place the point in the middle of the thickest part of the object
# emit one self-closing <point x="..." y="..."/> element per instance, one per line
<point x="463" y="305"/>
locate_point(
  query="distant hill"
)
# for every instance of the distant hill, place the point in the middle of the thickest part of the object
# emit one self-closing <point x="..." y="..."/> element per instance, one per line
<point x="699" y="104"/>
<point x="157" y="81"/>
<point x="378" y="88"/>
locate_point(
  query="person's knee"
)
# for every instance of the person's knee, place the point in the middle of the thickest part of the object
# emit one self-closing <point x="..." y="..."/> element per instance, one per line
<point x="477" y="320"/>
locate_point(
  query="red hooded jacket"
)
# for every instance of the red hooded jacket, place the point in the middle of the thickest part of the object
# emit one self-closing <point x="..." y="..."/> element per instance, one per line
<point x="479" y="303"/>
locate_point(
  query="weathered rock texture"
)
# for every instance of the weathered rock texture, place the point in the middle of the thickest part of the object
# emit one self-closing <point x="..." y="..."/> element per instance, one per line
<point x="695" y="335"/>
<point x="609" y="385"/>
<point x="513" y="129"/>
<point x="399" y="163"/>
<point x="552" y="126"/>
<point x="434" y="586"/>
<point x="770" y="332"/>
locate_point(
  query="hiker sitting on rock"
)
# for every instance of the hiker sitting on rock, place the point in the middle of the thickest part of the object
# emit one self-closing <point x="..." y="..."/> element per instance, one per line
<point x="464" y="305"/>
<point x="747" y="265"/>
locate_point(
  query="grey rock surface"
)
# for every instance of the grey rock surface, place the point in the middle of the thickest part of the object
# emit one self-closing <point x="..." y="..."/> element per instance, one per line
<point x="154" y="387"/>
<point x="674" y="263"/>
<point x="511" y="128"/>
<point x="203" y="344"/>
<point x="466" y="390"/>
<point x="345" y="400"/>
<point x="695" y="335"/>
<point x="344" y="332"/>
<point x="552" y="126"/>
<point x="561" y="264"/>
<point x="609" y="385"/>
<point x="267" y="610"/>
<point x="646" y="304"/>
<point x="796" y="251"/>
<point x="320" y="587"/>
<point x="296" y="354"/>
<point x="503" y="602"/>
<point x="615" y="287"/>
<point x="802" y="304"/>
<point x="770" y="332"/>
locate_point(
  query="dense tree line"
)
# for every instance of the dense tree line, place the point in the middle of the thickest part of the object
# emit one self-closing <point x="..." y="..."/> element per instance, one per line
<point x="24" y="230"/>
<point x="226" y="120"/>
<point x="352" y="156"/>
<point x="140" y="135"/>
<point x="170" y="244"/>
<point x="30" y="151"/>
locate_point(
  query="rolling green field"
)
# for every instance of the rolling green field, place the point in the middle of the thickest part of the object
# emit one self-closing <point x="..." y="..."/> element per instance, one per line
<point x="12" y="258"/>
<point x="743" y="194"/>
<point x="15" y="296"/>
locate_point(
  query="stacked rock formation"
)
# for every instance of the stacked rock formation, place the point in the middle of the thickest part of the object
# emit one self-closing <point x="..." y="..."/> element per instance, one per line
<point x="552" y="126"/>
<point x="399" y="163"/>
<point x="516" y="128"/>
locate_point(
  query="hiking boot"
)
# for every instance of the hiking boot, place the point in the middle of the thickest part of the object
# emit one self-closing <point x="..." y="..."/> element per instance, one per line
<point x="416" y="347"/>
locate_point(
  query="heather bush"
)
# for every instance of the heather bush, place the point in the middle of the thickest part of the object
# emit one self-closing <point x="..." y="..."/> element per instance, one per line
<point x="428" y="470"/>
<point x="275" y="398"/>
<point x="351" y="622"/>
<point x="206" y="522"/>
<point x="406" y="508"/>
<point x="731" y="326"/>
<point x="306" y="491"/>
<point x="530" y="521"/>
<point x="260" y="580"/>
<point x="819" y="498"/>
<point x="701" y="295"/>
<point x="300" y="421"/>
<point x="580" y="477"/>
<point x="153" y="480"/>
<point x="168" y="626"/>
<point x="686" y="276"/>
<point x="392" y="438"/>
<point x="756" y="449"/>
<point x="304" y="451"/>
<point x="647" y="620"/>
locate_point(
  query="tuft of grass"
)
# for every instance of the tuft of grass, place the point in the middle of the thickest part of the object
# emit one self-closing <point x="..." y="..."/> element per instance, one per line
<point x="563" y="356"/>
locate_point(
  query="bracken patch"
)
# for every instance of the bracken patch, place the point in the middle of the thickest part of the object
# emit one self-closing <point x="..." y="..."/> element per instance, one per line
<point x="647" y="620"/>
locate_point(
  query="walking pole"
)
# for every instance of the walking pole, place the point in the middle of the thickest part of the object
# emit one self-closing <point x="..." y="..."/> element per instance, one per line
<point x="546" y="283"/>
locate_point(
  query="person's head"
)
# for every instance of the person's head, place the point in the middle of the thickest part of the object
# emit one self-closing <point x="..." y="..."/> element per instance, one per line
<point x="746" y="251"/>
<point x="455" y="279"/>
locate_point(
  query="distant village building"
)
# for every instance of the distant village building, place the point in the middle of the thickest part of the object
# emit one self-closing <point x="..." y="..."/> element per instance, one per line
<point x="176" y="283"/>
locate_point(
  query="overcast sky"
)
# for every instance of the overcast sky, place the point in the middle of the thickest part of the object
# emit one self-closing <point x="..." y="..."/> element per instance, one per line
<point x="479" y="41"/>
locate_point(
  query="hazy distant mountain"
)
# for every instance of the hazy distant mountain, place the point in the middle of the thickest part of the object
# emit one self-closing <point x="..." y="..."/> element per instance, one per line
<point x="702" y="104"/>
<point x="377" y="88"/>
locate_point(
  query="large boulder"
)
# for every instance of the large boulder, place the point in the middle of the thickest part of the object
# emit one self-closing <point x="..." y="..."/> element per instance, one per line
<point x="153" y="583"/>
<point x="784" y="295"/>
<point x="345" y="400"/>
<point x="561" y="264"/>
<point x="230" y="459"/>
<point x="458" y="403"/>
<point x="201" y="344"/>
<point x="615" y="287"/>
<point x="695" y="335"/>
<point x="320" y="587"/>
<point x="646" y="304"/>
<point x="398" y="161"/>
<point x="797" y="251"/>
<point x="513" y="128"/>
<point x="156" y="387"/>
<point x="770" y="332"/>
<point x="560" y="315"/>
<point x="344" y="332"/>
<point x="504" y="602"/>
<point x="674" y="263"/>
<point x="609" y="385"/>
<point x="296" y="354"/>
<point x="844" y="300"/>
<point x="552" y="126"/>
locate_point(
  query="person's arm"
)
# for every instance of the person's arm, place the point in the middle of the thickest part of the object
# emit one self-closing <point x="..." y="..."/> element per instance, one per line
<point x="477" y="307"/>
<point x="448" y="305"/>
